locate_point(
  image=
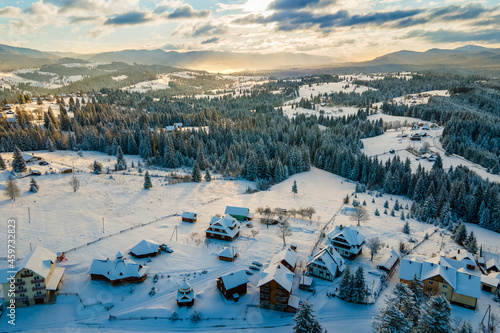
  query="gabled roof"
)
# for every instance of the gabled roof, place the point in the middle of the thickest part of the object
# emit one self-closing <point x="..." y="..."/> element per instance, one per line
<point x="492" y="263"/>
<point x="350" y="234"/>
<point x="410" y="267"/>
<point x="468" y="284"/>
<point x="224" y="224"/>
<point x="465" y="256"/>
<point x="232" y="210"/>
<point x="329" y="258"/>
<point x="38" y="261"/>
<point x="388" y="260"/>
<point x="228" y="252"/>
<point x="117" y="269"/>
<point x="288" y="255"/>
<point x="492" y="279"/>
<point x="144" y="247"/>
<point x="431" y="269"/>
<point x="279" y="273"/>
<point x="188" y="215"/>
<point x="234" y="279"/>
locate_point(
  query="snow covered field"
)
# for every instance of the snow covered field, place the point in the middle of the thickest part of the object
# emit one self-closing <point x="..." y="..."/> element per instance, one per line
<point x="62" y="220"/>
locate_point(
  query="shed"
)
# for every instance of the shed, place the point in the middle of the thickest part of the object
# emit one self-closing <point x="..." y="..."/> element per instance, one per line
<point x="228" y="254"/>
<point x="388" y="261"/>
<point x="234" y="285"/>
<point x="145" y="248"/>
<point x="189" y="217"/>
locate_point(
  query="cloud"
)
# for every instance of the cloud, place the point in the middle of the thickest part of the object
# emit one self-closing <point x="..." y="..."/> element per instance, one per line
<point x="165" y="5"/>
<point x="131" y="18"/>
<point x="211" y="40"/>
<point x="201" y="29"/>
<point x="80" y="19"/>
<point x="299" y="4"/>
<point x="34" y="18"/>
<point x="10" y="11"/>
<point x="186" y="11"/>
<point x="450" y="36"/>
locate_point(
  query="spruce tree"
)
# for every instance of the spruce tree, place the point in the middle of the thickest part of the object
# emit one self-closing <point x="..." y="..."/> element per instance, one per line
<point x="464" y="327"/>
<point x="386" y="204"/>
<point x="97" y="167"/>
<point x="472" y="243"/>
<point x="436" y="316"/>
<point x="359" y="291"/>
<point x="147" y="181"/>
<point x="391" y="320"/>
<point x="121" y="164"/>
<point x="417" y="288"/>
<point x="33" y="185"/>
<point x="406" y="228"/>
<point x="461" y="234"/>
<point x="196" y="173"/>
<point x="208" y="177"/>
<point x="294" y="187"/>
<point x="377" y="213"/>
<point x="402" y="216"/>
<point x="345" y="286"/>
<point x="305" y="321"/>
<point x="3" y="166"/>
<point x="18" y="164"/>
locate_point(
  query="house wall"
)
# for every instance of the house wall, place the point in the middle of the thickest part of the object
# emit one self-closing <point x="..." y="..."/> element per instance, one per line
<point x="118" y="282"/>
<point x="465" y="301"/>
<point x="272" y="296"/>
<point x="319" y="271"/>
<point x="30" y="289"/>
<point x="488" y="288"/>
<point x="185" y="219"/>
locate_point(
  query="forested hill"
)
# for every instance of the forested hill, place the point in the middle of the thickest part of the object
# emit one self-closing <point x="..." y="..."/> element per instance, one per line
<point x="250" y="138"/>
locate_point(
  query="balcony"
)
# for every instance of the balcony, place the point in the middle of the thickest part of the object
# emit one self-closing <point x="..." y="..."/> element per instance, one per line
<point x="39" y="296"/>
<point x="38" y="288"/>
<point x="37" y="281"/>
<point x="19" y="283"/>
<point x="21" y="299"/>
<point x="19" y="291"/>
<point x="340" y="245"/>
<point x="27" y="274"/>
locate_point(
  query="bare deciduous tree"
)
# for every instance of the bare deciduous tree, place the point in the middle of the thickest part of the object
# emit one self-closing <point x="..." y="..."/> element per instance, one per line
<point x="11" y="189"/>
<point x="359" y="214"/>
<point x="284" y="230"/>
<point x="374" y="244"/>
<point x="75" y="183"/>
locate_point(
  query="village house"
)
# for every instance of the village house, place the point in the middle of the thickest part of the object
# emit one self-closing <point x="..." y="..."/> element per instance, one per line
<point x="234" y="285"/>
<point x="491" y="282"/>
<point x="347" y="241"/>
<point x="276" y="282"/>
<point x="145" y="248"/>
<point x="189" y="217"/>
<point x="326" y="264"/>
<point x="36" y="280"/>
<point x="287" y="257"/>
<point x="444" y="276"/>
<point x="118" y="271"/>
<point x="228" y="254"/>
<point x="185" y="295"/>
<point x="239" y="213"/>
<point x="389" y="261"/>
<point x="225" y="228"/>
<point x="467" y="258"/>
<point x="30" y="158"/>
<point x="415" y="137"/>
<point x="492" y="266"/>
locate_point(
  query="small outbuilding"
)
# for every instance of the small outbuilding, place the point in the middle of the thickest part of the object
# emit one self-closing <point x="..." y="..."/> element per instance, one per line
<point x="228" y="254"/>
<point x="185" y="295"/>
<point x="388" y="261"/>
<point x="239" y="213"/>
<point x="189" y="217"/>
<point x="234" y="285"/>
<point x="145" y="248"/>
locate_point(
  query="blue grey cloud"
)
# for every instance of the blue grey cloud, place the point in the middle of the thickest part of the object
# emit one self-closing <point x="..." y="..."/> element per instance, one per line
<point x="299" y="4"/>
<point x="130" y="18"/>
<point x="211" y="40"/>
<point x="449" y="36"/>
<point x="186" y="12"/>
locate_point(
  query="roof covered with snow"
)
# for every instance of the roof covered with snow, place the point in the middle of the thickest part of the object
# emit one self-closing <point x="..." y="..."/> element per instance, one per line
<point x="288" y="255"/>
<point x="410" y="267"/>
<point x="349" y="234"/>
<point x="492" y="263"/>
<point x="279" y="273"/>
<point x="468" y="284"/>
<point x="144" y="247"/>
<point x="55" y="278"/>
<point x="388" y="260"/>
<point x="464" y="256"/>
<point x="39" y="261"/>
<point x="188" y="215"/>
<point x="329" y="258"/>
<point x="117" y="269"/>
<point x="234" y="279"/>
<point x="232" y="210"/>
<point x="223" y="225"/>
<point x="228" y="252"/>
<point x="492" y="279"/>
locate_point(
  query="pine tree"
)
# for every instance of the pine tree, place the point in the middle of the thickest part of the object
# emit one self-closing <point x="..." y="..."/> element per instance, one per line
<point x="305" y="321"/>
<point x="396" y="205"/>
<point x="460" y="234"/>
<point x="472" y="243"/>
<point x="345" y="286"/>
<point x="391" y="320"/>
<point x="359" y="291"/>
<point x="97" y="167"/>
<point x="294" y="187"/>
<point x="402" y="217"/>
<point x="406" y="227"/>
<point x="417" y="288"/>
<point x="436" y="317"/>
<point x="377" y="213"/>
<point x="464" y="327"/>
<point x="196" y="172"/>
<point x="208" y="177"/>
<point x="147" y="181"/>
<point x="33" y="185"/>
<point x="49" y="145"/>
<point x="386" y="204"/>
<point x="121" y="164"/>
<point x="18" y="164"/>
<point x="3" y="166"/>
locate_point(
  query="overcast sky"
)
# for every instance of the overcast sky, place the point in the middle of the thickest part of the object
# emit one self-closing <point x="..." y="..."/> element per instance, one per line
<point x="342" y="29"/>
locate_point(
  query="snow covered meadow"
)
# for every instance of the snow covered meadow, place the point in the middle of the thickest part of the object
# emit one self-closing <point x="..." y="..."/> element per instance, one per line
<point x="62" y="220"/>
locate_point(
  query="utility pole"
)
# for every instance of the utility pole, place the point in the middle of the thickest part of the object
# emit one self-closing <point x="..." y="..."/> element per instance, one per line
<point x="29" y="215"/>
<point x="103" y="225"/>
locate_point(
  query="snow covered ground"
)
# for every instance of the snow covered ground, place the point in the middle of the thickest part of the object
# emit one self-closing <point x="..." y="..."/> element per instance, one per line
<point x="331" y="111"/>
<point x="160" y="83"/>
<point x="62" y="220"/>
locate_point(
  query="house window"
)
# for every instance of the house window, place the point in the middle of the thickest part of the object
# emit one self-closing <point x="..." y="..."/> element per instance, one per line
<point x="37" y="277"/>
<point x="445" y="286"/>
<point x="20" y="287"/>
<point x="444" y="293"/>
<point x="37" y="285"/>
<point x="430" y="282"/>
<point x="19" y="280"/>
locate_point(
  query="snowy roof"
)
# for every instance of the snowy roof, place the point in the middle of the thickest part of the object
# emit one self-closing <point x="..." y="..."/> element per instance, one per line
<point x="468" y="284"/>
<point x="188" y="215"/>
<point x="492" y="279"/>
<point x="231" y="210"/>
<point x="55" y="278"/>
<point x="227" y="252"/>
<point x="38" y="261"/>
<point x="465" y="256"/>
<point x="410" y="267"/>
<point x="388" y="260"/>
<point x="145" y="246"/>
<point x="288" y="255"/>
<point x="306" y="280"/>
<point x="224" y="225"/>
<point x="169" y="128"/>
<point x="329" y="258"/>
<point x="279" y="273"/>
<point x="234" y="279"/>
<point x="185" y="293"/>
<point x="350" y="234"/>
<point x="27" y="157"/>
<point x="294" y="301"/>
<point x="431" y="269"/>
<point x="492" y="263"/>
<point x="117" y="269"/>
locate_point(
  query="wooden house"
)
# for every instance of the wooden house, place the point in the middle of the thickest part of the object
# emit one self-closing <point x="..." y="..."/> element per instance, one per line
<point x="145" y="248"/>
<point x="36" y="279"/>
<point x="275" y="286"/>
<point x="30" y="158"/>
<point x="189" y="217"/>
<point x="239" y="213"/>
<point x="347" y="241"/>
<point x="491" y="282"/>
<point x="234" y="285"/>
<point x="228" y="254"/>
<point x="389" y="261"/>
<point x="326" y="264"/>
<point x="225" y="228"/>
<point x="286" y="257"/>
<point x="118" y="271"/>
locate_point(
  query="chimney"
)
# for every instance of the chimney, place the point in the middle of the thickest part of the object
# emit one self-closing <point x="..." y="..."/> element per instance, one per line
<point x="458" y="250"/>
<point x="341" y="227"/>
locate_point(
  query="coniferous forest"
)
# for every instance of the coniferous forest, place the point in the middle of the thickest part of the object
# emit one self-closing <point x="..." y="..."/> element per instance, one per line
<point x="250" y="138"/>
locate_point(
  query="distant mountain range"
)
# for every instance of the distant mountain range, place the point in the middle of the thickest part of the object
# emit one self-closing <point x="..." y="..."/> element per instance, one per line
<point x="466" y="57"/>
